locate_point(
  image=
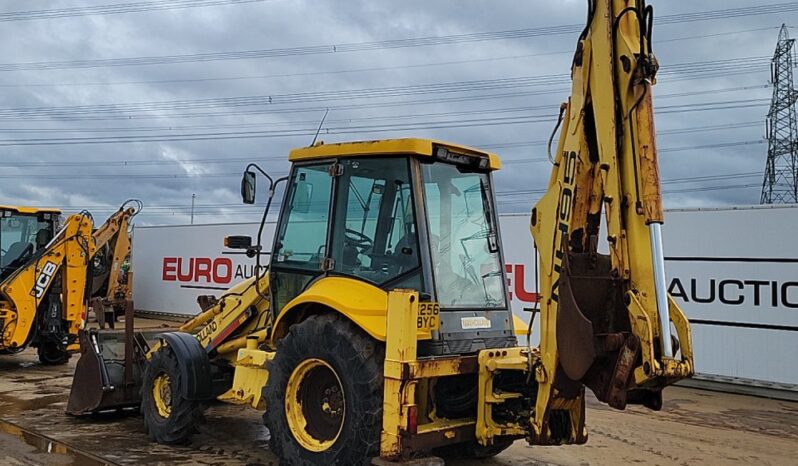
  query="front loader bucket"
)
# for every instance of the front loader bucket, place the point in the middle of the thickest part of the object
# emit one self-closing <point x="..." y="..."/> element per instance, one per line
<point x="106" y="379"/>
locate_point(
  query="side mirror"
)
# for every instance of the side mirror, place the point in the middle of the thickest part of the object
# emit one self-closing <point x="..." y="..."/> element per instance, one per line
<point x="242" y="242"/>
<point x="302" y="195"/>
<point x="248" y="187"/>
<point x="238" y="242"/>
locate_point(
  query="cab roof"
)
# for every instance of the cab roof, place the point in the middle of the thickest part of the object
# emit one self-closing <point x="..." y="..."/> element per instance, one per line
<point x="30" y="210"/>
<point x="408" y="146"/>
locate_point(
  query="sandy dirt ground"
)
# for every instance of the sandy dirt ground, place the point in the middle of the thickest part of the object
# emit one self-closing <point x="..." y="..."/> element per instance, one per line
<point x="694" y="427"/>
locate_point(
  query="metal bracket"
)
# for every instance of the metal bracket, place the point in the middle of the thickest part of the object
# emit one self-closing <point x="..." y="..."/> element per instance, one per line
<point x="335" y="169"/>
<point x="327" y="264"/>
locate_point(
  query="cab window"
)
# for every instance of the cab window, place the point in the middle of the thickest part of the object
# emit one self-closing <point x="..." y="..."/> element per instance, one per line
<point x="302" y="238"/>
<point x="20" y="237"/>
<point x="374" y="232"/>
<point x="463" y="238"/>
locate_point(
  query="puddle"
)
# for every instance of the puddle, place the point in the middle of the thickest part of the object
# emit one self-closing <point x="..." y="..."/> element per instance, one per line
<point x="32" y="403"/>
<point x="46" y="445"/>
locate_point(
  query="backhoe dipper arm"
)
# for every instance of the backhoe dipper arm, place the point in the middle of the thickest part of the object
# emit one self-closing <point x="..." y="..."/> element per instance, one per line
<point x="606" y="319"/>
<point x="114" y="232"/>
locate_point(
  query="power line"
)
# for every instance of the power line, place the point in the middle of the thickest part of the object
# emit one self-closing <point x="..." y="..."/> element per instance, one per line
<point x="293" y="75"/>
<point x="117" y="175"/>
<point x="126" y="110"/>
<point x="340" y="107"/>
<point x="114" y="9"/>
<point x="217" y="209"/>
<point x="143" y="129"/>
<point x="531" y="201"/>
<point x="224" y="160"/>
<point x="355" y="129"/>
<point x="664" y="150"/>
<point x="695" y="179"/>
<point x="779" y="8"/>
<point x="355" y="70"/>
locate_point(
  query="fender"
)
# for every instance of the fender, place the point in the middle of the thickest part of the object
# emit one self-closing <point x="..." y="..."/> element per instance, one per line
<point x="195" y="367"/>
<point x="364" y="304"/>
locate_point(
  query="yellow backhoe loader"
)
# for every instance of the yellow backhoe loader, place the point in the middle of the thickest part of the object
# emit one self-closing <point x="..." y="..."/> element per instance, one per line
<point x="23" y="232"/>
<point x="48" y="275"/>
<point x="382" y="330"/>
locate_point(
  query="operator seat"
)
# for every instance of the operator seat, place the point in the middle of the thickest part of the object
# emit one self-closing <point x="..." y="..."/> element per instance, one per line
<point x="43" y="237"/>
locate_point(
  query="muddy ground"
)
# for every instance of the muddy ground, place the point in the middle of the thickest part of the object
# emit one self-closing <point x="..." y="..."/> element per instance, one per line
<point x="694" y="427"/>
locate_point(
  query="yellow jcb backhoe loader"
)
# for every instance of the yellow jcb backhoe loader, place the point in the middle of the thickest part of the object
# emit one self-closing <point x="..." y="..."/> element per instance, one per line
<point x="23" y="232"/>
<point x="382" y="329"/>
<point x="43" y="301"/>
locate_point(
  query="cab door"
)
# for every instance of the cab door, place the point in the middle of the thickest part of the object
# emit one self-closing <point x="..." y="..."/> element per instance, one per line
<point x="300" y="251"/>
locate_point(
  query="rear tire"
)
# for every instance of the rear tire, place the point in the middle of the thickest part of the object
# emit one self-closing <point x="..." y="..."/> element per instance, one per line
<point x="342" y="407"/>
<point x="169" y="417"/>
<point x="52" y="354"/>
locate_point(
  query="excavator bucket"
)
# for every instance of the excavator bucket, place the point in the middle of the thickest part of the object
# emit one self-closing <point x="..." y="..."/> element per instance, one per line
<point x="108" y="373"/>
<point x="593" y="331"/>
<point x="574" y="334"/>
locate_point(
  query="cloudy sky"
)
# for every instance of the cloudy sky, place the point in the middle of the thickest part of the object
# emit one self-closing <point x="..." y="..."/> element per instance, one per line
<point x="172" y="101"/>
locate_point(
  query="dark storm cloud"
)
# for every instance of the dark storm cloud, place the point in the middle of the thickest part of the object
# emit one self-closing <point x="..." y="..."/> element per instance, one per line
<point x="94" y="175"/>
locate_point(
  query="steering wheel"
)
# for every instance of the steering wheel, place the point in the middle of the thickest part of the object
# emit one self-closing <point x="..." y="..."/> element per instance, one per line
<point x="360" y="241"/>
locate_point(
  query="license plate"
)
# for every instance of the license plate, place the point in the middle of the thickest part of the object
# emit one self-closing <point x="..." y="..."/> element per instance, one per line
<point x="429" y="316"/>
<point x="474" y="323"/>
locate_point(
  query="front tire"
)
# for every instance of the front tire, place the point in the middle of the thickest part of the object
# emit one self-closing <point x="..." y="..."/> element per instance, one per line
<point x="169" y="417"/>
<point x="324" y="395"/>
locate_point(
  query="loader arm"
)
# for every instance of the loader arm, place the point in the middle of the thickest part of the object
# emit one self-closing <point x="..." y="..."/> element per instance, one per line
<point x="606" y="318"/>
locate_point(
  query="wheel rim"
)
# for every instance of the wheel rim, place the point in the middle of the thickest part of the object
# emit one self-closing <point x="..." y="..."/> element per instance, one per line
<point x="162" y="394"/>
<point x="315" y="405"/>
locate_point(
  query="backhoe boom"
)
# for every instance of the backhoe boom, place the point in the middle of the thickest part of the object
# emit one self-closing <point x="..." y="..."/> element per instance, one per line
<point x="605" y="318"/>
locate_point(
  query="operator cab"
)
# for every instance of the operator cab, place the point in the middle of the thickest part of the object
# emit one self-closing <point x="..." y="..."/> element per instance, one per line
<point x="407" y="213"/>
<point x="23" y="232"/>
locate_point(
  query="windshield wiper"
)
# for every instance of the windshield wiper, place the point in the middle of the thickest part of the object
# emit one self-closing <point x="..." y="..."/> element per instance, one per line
<point x="493" y="243"/>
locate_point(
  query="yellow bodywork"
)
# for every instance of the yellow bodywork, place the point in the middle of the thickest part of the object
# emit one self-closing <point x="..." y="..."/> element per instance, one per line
<point x="241" y="310"/>
<point x="30" y="210"/>
<point x="358" y="301"/>
<point x="250" y="376"/>
<point x="362" y="303"/>
<point x="387" y="147"/>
